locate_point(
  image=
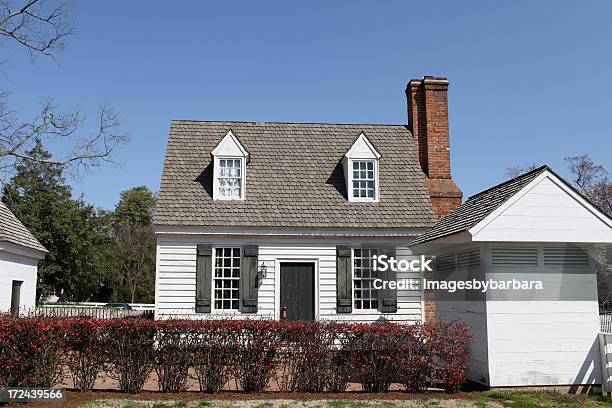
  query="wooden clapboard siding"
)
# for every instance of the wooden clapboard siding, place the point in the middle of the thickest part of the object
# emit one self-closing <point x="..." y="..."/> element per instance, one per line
<point x="549" y="337"/>
<point x="547" y="212"/>
<point x="471" y="312"/>
<point x="176" y="269"/>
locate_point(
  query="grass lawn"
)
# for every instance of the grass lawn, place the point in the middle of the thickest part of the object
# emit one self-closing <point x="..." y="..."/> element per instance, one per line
<point x="493" y="399"/>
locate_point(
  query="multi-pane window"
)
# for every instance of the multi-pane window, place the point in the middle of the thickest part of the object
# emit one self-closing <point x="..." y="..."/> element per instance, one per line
<point x="363" y="180"/>
<point x="365" y="296"/>
<point x="230" y="178"/>
<point x="226" y="280"/>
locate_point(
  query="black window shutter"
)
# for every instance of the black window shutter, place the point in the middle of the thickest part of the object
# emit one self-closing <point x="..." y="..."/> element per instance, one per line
<point x="387" y="298"/>
<point x="203" y="278"/>
<point x="249" y="279"/>
<point x="344" y="279"/>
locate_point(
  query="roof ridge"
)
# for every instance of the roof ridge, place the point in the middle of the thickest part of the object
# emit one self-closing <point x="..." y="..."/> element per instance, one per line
<point x="517" y="178"/>
<point x="288" y="123"/>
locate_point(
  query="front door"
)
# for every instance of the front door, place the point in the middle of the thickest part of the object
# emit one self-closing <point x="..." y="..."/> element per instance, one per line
<point x="297" y="290"/>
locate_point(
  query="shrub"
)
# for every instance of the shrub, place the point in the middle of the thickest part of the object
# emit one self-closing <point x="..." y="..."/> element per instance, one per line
<point x="31" y="352"/>
<point x="211" y="356"/>
<point x="131" y="352"/>
<point x="306" y="362"/>
<point x="173" y="354"/>
<point x="450" y="349"/>
<point x="415" y="359"/>
<point x="303" y="356"/>
<point x="254" y="345"/>
<point x="86" y="348"/>
<point x="374" y="351"/>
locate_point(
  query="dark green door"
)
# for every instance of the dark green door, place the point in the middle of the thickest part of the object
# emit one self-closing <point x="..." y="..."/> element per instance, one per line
<point x="297" y="291"/>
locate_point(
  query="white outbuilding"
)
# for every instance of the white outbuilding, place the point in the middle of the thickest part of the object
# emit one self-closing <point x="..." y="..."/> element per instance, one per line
<point x="534" y="228"/>
<point x="20" y="253"/>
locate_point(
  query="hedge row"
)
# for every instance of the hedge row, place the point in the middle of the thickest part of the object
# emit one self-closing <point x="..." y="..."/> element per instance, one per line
<point x="307" y="357"/>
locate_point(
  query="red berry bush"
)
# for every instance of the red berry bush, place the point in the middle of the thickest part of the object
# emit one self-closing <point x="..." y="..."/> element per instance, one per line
<point x="254" y="350"/>
<point x="32" y="352"/>
<point x="449" y="344"/>
<point x="308" y="358"/>
<point x="173" y="354"/>
<point x="212" y="353"/>
<point x="242" y="354"/>
<point x="85" y="350"/>
<point x="131" y="350"/>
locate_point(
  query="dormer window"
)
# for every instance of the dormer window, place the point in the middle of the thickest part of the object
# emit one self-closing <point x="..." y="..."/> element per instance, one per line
<point x="229" y="161"/>
<point x="230" y="179"/>
<point x="364" y="182"/>
<point x="361" y="170"/>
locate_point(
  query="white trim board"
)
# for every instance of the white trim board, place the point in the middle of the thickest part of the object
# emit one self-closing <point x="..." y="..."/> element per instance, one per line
<point x="230" y="146"/>
<point x="362" y="149"/>
<point x="21" y="250"/>
<point x="408" y="233"/>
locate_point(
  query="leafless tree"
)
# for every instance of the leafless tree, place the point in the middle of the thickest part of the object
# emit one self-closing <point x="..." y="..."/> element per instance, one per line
<point x="38" y="25"/>
<point x="41" y="26"/>
<point x="592" y="180"/>
<point x="515" y="171"/>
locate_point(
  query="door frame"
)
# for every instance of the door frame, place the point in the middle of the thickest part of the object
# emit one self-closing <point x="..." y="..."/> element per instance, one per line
<point x="277" y="278"/>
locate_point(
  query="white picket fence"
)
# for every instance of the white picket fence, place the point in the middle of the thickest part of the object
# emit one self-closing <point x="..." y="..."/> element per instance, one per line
<point x="606" y="322"/>
<point x="605" y="346"/>
<point x="94" y="310"/>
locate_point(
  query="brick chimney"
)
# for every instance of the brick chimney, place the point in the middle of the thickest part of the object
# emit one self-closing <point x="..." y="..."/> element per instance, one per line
<point x="428" y="122"/>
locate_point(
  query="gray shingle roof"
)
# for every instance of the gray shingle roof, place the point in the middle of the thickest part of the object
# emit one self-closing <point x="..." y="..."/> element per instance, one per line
<point x="477" y="207"/>
<point x="294" y="177"/>
<point x="13" y="231"/>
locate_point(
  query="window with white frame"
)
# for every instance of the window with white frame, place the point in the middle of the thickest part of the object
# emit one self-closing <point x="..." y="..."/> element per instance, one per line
<point x="226" y="281"/>
<point x="364" y="180"/>
<point x="364" y="295"/>
<point x="230" y="179"/>
<point x="360" y="164"/>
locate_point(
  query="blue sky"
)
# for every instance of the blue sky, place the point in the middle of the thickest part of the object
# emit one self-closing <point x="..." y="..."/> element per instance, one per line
<point x="529" y="81"/>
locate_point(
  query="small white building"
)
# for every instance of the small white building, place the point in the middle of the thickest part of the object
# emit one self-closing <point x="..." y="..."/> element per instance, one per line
<point x="20" y="253"/>
<point x="535" y="227"/>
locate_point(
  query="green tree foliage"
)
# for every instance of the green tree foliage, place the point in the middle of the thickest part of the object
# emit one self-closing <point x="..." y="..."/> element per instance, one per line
<point x="71" y="230"/>
<point x="94" y="255"/>
<point x="135" y="207"/>
<point x="134" y="252"/>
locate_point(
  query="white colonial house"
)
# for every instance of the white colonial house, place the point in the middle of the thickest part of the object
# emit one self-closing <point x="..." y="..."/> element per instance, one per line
<point x="20" y="253"/>
<point x="280" y="220"/>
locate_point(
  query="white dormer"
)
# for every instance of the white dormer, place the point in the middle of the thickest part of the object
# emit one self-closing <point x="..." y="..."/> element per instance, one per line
<point x="229" y="164"/>
<point x="361" y="171"/>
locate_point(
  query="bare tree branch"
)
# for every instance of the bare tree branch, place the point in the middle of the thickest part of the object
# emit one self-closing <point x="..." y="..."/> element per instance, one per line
<point x="41" y="26"/>
<point x="51" y="127"/>
<point x="517" y="170"/>
<point x="592" y="179"/>
<point x="38" y="25"/>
